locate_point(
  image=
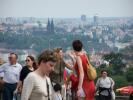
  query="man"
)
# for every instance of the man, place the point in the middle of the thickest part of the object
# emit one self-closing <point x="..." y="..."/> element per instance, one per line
<point x="1" y="80"/>
<point x="11" y="76"/>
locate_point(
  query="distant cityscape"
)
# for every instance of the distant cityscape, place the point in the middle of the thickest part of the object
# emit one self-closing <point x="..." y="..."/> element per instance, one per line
<point x="100" y="35"/>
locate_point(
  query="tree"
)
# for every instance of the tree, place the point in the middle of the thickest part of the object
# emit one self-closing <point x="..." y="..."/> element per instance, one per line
<point x="116" y="62"/>
<point x="129" y="75"/>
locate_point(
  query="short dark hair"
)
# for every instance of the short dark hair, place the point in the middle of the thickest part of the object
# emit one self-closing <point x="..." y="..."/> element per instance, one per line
<point x="47" y="55"/>
<point x="12" y="53"/>
<point x="104" y="71"/>
<point x="77" y="45"/>
<point x="57" y="87"/>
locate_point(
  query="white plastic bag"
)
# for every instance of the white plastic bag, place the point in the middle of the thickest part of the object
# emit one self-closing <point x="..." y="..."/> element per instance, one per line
<point x="113" y="95"/>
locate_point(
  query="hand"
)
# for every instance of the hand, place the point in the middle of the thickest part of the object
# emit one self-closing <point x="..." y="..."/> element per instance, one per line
<point x="1" y="81"/>
<point x="15" y="92"/>
<point x="79" y="92"/>
<point x="112" y="88"/>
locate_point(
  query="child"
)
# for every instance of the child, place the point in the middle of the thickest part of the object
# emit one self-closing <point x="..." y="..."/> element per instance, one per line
<point x="57" y="95"/>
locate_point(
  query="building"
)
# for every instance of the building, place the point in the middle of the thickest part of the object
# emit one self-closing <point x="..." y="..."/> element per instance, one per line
<point x="96" y="20"/>
<point x="50" y="27"/>
<point x="83" y="18"/>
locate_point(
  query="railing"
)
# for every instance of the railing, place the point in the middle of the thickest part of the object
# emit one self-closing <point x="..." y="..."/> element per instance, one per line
<point x="122" y="97"/>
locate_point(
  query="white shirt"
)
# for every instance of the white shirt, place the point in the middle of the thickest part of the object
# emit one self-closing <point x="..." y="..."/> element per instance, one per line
<point x="2" y="74"/>
<point x="11" y="72"/>
<point x="105" y="83"/>
<point x="57" y="96"/>
<point x="35" y="87"/>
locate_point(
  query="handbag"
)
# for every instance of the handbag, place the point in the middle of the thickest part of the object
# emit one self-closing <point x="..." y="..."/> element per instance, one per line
<point x="91" y="71"/>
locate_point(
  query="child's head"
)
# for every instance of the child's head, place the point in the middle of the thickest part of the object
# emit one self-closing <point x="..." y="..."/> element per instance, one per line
<point x="57" y="87"/>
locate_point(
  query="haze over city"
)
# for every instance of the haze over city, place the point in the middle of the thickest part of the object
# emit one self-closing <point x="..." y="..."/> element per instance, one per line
<point x="65" y="8"/>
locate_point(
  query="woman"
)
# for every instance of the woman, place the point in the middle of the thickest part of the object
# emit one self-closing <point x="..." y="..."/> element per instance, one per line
<point x="37" y="85"/>
<point x="85" y="88"/>
<point x="30" y="66"/>
<point x="57" y="75"/>
<point x="104" y="86"/>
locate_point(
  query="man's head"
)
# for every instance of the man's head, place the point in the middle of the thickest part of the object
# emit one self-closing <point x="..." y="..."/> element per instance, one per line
<point x="13" y="58"/>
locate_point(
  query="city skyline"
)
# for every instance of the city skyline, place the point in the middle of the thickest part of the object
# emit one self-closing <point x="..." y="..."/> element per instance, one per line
<point x="66" y="8"/>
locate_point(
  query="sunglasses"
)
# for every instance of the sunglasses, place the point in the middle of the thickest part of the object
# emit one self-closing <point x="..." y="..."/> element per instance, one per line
<point x="10" y="57"/>
<point x="27" y="60"/>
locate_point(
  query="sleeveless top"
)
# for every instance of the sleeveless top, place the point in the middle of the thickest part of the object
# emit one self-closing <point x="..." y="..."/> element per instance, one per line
<point x="88" y="85"/>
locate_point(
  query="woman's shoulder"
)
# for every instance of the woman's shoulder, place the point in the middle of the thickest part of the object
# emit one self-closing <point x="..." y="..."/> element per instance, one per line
<point x="24" y="68"/>
<point x="31" y="75"/>
<point x="110" y="78"/>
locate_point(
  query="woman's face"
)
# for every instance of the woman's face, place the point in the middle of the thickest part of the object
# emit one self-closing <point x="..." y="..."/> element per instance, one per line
<point x="28" y="61"/>
<point x="104" y="74"/>
<point x="61" y="53"/>
<point x="48" y="67"/>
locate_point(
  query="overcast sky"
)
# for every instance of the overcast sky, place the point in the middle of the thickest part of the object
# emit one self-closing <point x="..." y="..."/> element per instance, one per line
<point x="65" y="8"/>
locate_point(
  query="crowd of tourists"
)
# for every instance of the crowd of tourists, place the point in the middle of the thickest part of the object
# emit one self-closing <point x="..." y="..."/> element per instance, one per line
<point x="47" y="77"/>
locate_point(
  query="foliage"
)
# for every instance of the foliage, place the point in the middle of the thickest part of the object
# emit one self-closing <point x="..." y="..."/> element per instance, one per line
<point x="117" y="70"/>
<point x="39" y="42"/>
<point x="115" y="61"/>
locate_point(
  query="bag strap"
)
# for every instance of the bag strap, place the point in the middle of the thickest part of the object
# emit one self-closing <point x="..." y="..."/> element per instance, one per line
<point x="87" y="59"/>
<point x="48" y="89"/>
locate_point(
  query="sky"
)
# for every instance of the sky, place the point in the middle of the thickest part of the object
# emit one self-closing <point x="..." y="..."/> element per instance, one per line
<point x="65" y="8"/>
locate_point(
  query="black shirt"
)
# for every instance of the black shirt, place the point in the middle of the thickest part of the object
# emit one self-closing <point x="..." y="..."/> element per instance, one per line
<point x="24" y="72"/>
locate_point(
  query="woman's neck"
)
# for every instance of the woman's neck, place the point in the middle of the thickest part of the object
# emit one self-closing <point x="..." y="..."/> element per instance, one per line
<point x="30" y="67"/>
<point x="78" y="53"/>
<point x="40" y="72"/>
<point x="104" y="77"/>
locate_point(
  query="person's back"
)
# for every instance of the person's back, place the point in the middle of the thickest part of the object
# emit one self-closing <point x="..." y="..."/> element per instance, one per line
<point x="88" y="85"/>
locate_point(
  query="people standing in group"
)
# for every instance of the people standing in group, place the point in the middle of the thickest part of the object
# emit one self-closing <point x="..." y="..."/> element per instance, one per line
<point x="84" y="87"/>
<point x="37" y="85"/>
<point x="30" y="67"/>
<point x="105" y="86"/>
<point x="11" y="76"/>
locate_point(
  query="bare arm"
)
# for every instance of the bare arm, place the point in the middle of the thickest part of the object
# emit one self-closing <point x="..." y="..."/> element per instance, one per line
<point x="81" y="72"/>
<point x="69" y="66"/>
<point x="97" y="84"/>
<point x="19" y="87"/>
<point x="112" y="83"/>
